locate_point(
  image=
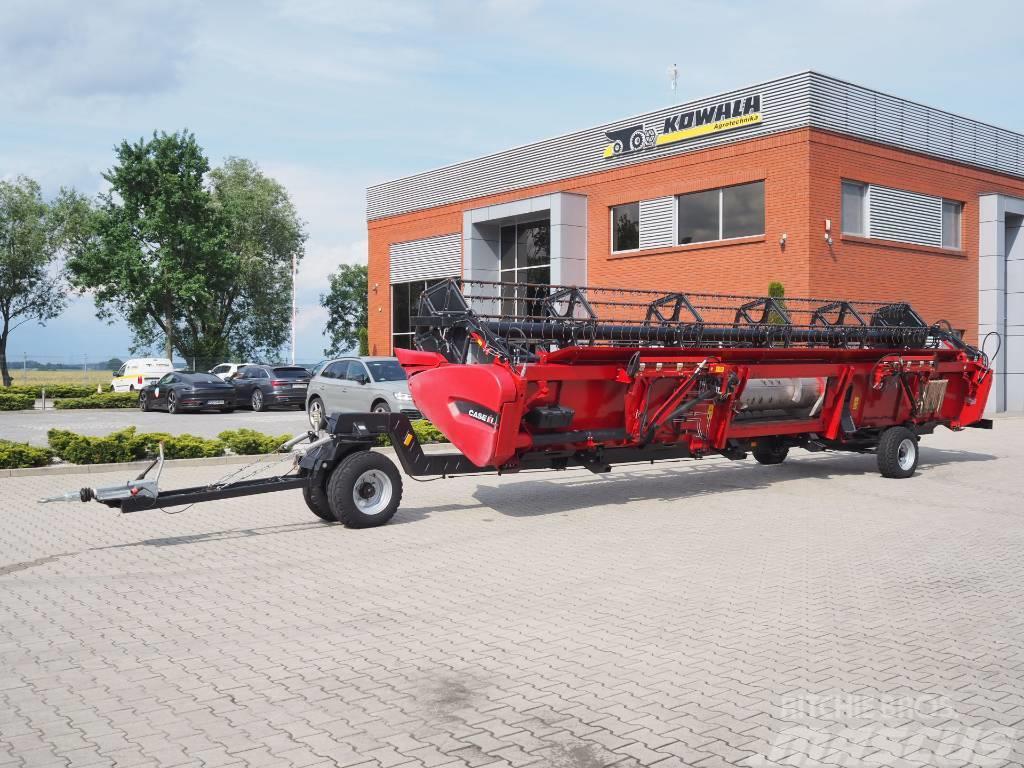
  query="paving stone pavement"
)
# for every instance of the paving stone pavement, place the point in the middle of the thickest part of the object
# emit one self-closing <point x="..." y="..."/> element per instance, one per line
<point x="704" y="613"/>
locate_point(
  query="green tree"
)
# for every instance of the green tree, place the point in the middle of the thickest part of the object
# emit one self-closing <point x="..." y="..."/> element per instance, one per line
<point x="199" y="259"/>
<point x="33" y="236"/>
<point x="345" y="302"/>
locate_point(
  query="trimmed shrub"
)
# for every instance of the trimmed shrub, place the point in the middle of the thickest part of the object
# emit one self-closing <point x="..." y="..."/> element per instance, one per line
<point x="16" y="401"/>
<point x="123" y="445"/>
<point x="129" y="445"/>
<point x="191" y="447"/>
<point x="106" y="400"/>
<point x="19" y="455"/>
<point x="53" y="390"/>
<point x="250" y="442"/>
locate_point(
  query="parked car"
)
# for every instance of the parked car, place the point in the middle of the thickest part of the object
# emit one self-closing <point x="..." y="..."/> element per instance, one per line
<point x="358" y="384"/>
<point x="263" y="386"/>
<point x="180" y="391"/>
<point x="226" y="370"/>
<point x="139" y="372"/>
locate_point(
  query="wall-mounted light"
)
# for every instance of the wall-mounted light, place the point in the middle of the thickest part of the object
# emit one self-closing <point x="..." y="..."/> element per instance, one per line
<point x="828" y="231"/>
<point x="782" y="240"/>
<point x="375" y="287"/>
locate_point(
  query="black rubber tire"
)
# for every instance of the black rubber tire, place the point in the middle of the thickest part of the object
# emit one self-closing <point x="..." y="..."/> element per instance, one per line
<point x="768" y="451"/>
<point x="381" y="407"/>
<point x="315" y="496"/>
<point x="172" y="403"/>
<point x="890" y="446"/>
<point x="143" y="402"/>
<point x="258" y="403"/>
<point x="341" y="486"/>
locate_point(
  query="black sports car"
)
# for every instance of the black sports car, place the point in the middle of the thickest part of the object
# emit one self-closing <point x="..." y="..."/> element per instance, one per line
<point x="188" y="391"/>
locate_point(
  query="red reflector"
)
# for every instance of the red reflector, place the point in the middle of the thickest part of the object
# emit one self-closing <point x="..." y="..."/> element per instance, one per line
<point x="140" y="379"/>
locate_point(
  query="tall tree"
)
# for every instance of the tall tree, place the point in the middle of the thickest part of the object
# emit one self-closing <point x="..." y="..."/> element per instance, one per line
<point x="33" y="235"/>
<point x="193" y="257"/>
<point x="345" y="302"/>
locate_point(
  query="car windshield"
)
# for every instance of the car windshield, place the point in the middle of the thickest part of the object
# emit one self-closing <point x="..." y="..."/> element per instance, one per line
<point x="291" y="373"/>
<point x="202" y="378"/>
<point x="385" y="370"/>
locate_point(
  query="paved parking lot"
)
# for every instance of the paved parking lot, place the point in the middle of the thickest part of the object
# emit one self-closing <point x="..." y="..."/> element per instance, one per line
<point x="31" y="426"/>
<point x="704" y="613"/>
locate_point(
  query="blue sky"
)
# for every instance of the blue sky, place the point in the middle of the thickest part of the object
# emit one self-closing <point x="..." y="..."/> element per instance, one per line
<point x="329" y="97"/>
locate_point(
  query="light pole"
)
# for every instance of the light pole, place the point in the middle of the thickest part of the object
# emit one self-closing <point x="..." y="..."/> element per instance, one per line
<point x="295" y="264"/>
<point x="673" y="79"/>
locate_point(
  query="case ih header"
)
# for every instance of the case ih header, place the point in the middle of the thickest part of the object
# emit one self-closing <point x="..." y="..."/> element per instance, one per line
<point x="546" y="377"/>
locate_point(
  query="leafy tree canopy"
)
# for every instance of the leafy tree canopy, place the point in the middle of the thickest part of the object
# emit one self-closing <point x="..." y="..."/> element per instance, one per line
<point x="345" y="302"/>
<point x="197" y="258"/>
<point x="33" y="235"/>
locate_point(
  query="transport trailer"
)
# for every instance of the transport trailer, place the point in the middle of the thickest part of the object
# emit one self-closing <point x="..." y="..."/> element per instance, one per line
<point x="521" y="377"/>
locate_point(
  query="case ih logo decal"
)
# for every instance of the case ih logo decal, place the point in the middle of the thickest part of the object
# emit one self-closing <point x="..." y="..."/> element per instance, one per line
<point x="715" y="118"/>
<point x="478" y="412"/>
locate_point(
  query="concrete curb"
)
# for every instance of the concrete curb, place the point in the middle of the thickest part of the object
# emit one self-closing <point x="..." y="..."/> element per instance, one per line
<point x="92" y="469"/>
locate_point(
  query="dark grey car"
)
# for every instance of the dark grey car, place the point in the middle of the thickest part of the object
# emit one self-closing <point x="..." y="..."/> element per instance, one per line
<point x="359" y="384"/>
<point x="263" y="386"/>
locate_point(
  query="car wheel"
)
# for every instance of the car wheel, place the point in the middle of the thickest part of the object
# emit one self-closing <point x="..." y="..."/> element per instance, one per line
<point x="258" y="402"/>
<point x="364" y="490"/>
<point x="131" y="387"/>
<point x="381" y="407"/>
<point x="897" y="453"/>
<point x="316" y="412"/>
<point x="172" y="403"/>
<point x="143" y="402"/>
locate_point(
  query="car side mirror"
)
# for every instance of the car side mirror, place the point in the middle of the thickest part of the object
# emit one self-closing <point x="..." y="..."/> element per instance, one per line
<point x="363" y="379"/>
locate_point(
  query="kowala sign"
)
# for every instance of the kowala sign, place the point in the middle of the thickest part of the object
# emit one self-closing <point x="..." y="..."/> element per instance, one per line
<point x="716" y="118"/>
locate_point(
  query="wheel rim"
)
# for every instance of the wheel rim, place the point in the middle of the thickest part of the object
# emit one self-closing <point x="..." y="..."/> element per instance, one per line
<point x="906" y="453"/>
<point x="381" y="408"/>
<point x="142" y="402"/>
<point x="372" y="492"/>
<point x="257" y="399"/>
<point x="171" y="402"/>
<point x="316" y="413"/>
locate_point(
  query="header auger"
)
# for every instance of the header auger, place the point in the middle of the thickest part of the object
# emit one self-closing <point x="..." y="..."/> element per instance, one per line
<point x="522" y="376"/>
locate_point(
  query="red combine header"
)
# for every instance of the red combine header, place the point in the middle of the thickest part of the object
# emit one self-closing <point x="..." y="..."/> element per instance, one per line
<point x="547" y="377"/>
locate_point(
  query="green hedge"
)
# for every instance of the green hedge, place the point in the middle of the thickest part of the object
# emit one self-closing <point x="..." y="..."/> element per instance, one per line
<point x="106" y="400"/>
<point x="52" y="390"/>
<point x="425" y="432"/>
<point x="249" y="441"/>
<point x="16" y="401"/>
<point x="128" y="445"/>
<point x="19" y="455"/>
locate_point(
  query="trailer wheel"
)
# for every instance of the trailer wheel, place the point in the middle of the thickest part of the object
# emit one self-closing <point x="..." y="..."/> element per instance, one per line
<point x="897" y="452"/>
<point x="364" y="490"/>
<point x="315" y="496"/>
<point x="768" y="451"/>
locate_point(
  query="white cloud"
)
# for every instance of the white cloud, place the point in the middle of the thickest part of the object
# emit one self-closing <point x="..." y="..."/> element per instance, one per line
<point x="55" y="51"/>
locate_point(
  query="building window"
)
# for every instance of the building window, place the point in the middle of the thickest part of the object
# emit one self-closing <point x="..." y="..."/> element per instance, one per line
<point x="626" y="227"/>
<point x="404" y="300"/>
<point x="721" y="214"/>
<point x="855" y="197"/>
<point x="525" y="265"/>
<point x="952" y="213"/>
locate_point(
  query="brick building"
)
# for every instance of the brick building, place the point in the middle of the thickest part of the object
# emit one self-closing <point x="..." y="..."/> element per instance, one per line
<point x="834" y="190"/>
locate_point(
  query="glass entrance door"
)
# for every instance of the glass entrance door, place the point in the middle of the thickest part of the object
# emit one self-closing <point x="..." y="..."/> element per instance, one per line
<point x="525" y="265"/>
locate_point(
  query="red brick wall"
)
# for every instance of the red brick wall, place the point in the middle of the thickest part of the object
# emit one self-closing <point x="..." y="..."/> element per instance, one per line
<point x="802" y="171"/>
<point x="939" y="284"/>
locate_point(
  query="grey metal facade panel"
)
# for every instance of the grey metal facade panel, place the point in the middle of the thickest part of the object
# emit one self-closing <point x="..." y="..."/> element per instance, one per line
<point x="657" y="222"/>
<point x="784" y="106"/>
<point x="907" y="217"/>
<point x="807" y="99"/>
<point x="427" y="259"/>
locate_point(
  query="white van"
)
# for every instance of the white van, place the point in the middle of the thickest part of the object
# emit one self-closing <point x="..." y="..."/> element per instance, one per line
<point x="139" y="372"/>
